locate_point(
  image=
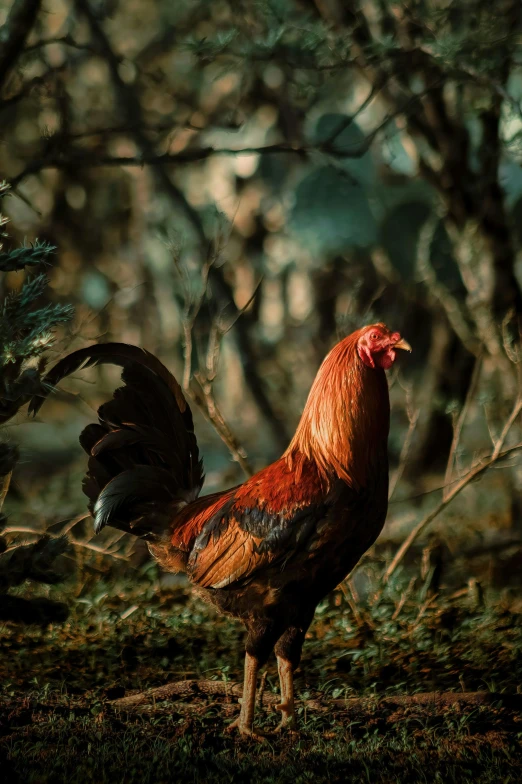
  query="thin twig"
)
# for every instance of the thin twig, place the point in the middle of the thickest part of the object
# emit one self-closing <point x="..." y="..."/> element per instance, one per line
<point x="20" y="529"/>
<point x="352" y="600"/>
<point x="16" y="29"/>
<point x="505" y="430"/>
<point x="206" y="402"/>
<point x="456" y="314"/>
<point x="413" y="417"/>
<point x="97" y="549"/>
<point x="404" y="596"/>
<point x="5" y="481"/>
<point x="69" y="525"/>
<point x="80" y="159"/>
<point x="64" y="40"/>
<point x="190" y="313"/>
<point x="459" y="424"/>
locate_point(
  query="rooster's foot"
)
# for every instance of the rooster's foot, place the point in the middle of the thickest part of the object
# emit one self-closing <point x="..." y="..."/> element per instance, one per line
<point x="245" y="730"/>
<point x="288" y="721"/>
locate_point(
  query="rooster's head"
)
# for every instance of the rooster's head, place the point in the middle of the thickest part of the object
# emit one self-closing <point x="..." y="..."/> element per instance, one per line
<point x="377" y="346"/>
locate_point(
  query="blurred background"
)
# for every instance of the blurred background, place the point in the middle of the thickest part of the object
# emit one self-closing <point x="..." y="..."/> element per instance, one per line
<point x="255" y="181"/>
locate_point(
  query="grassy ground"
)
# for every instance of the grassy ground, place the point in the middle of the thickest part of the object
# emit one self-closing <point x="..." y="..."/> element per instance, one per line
<point x="56" y="723"/>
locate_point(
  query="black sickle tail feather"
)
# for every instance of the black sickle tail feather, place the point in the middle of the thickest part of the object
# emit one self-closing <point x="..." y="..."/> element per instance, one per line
<point x="143" y="455"/>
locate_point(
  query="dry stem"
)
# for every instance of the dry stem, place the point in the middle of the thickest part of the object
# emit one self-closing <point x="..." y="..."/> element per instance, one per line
<point x="5" y="481"/>
<point x="413" y="418"/>
<point x="459" y="424"/>
<point x="100" y="550"/>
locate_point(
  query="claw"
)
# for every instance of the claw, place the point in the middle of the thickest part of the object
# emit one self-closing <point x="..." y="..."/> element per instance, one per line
<point x="288" y="721"/>
<point x="287" y="726"/>
<point x="233" y="726"/>
<point x="245" y="720"/>
<point x="244" y="730"/>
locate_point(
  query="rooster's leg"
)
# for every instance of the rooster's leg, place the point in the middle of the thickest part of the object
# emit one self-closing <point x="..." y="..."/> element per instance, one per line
<point x="245" y="720"/>
<point x="288" y="651"/>
<point x="287" y="705"/>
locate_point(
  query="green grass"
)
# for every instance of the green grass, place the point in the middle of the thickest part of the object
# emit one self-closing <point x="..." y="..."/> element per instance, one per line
<point x="56" y="723"/>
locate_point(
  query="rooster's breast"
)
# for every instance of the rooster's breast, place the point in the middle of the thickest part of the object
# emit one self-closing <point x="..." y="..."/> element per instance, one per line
<point x="313" y="568"/>
<point x="341" y="538"/>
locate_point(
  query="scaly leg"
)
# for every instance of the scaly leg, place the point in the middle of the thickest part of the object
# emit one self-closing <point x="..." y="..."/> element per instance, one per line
<point x="245" y="720"/>
<point x="287" y="705"/>
<point x="288" y="651"/>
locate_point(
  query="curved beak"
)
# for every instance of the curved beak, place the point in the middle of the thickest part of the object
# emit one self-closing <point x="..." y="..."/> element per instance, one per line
<point x="403" y="344"/>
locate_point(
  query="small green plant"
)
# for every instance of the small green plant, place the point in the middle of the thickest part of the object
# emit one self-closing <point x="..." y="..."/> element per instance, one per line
<point x="26" y="332"/>
<point x="26" y="328"/>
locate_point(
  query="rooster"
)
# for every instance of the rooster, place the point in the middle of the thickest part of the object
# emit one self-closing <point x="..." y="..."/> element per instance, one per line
<point x="269" y="550"/>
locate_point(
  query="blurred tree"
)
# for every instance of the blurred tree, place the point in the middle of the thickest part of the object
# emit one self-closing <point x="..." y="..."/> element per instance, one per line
<point x="367" y="155"/>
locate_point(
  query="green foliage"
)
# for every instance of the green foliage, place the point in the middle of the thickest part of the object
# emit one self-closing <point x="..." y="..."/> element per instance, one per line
<point x="207" y="49"/>
<point x="340" y="136"/>
<point x="26" y="256"/>
<point x="307" y="44"/>
<point x="400" y="235"/>
<point x="332" y="213"/>
<point x="26" y="330"/>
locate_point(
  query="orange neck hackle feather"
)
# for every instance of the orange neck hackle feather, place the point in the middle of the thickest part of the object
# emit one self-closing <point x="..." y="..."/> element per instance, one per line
<point x="346" y="418"/>
<point x="343" y="434"/>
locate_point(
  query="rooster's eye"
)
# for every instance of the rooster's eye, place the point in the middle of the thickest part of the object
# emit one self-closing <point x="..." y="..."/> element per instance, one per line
<point x="374" y="336"/>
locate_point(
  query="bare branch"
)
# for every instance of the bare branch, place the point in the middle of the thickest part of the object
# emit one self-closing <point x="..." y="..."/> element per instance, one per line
<point x="76" y="158"/>
<point x="352" y="600"/>
<point x="413" y="417"/>
<point x="190" y="313"/>
<point x="453" y="308"/>
<point x="70" y="524"/>
<point x="132" y="112"/>
<point x="65" y="40"/>
<point x="203" y="394"/>
<point x="473" y="473"/>
<point x="192" y="688"/>
<point x="5" y="481"/>
<point x="28" y="86"/>
<point x="98" y="549"/>
<point x="14" y="33"/>
<point x="85" y="160"/>
<point x="206" y="402"/>
<point x="243" y="310"/>
<point x="21" y="529"/>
